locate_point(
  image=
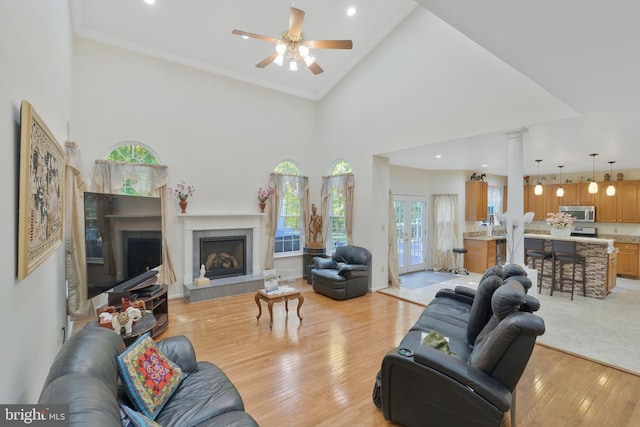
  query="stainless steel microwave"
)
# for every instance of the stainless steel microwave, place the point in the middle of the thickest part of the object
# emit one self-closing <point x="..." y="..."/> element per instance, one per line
<point x="580" y="213"/>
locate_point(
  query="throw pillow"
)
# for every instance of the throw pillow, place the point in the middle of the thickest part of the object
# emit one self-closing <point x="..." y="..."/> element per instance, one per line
<point x="148" y="376"/>
<point x="132" y="418"/>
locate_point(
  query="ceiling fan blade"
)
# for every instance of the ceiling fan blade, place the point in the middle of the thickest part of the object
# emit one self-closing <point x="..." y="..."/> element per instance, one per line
<point x="296" y="16"/>
<point x="255" y="36"/>
<point x="266" y="61"/>
<point x="315" y="68"/>
<point x="330" y="44"/>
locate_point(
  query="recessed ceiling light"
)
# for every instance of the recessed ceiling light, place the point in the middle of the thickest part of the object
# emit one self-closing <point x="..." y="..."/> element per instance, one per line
<point x="484" y="166"/>
<point x="438" y="156"/>
<point x="245" y="37"/>
<point x="149" y="1"/>
<point x="351" y="11"/>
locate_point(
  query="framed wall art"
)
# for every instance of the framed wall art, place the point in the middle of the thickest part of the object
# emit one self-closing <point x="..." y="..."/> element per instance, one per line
<point x="41" y="205"/>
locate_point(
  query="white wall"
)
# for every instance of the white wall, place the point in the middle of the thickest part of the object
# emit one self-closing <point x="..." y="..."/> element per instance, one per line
<point x="418" y="182"/>
<point x="218" y="134"/>
<point x="35" y="58"/>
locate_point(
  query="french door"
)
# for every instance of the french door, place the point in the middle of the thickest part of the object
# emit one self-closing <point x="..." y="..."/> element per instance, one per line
<point x="411" y="232"/>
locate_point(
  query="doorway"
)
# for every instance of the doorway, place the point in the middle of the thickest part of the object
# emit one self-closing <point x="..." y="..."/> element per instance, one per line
<point x="411" y="232"/>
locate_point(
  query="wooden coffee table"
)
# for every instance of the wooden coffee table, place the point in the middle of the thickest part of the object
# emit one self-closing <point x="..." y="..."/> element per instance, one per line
<point x="278" y="296"/>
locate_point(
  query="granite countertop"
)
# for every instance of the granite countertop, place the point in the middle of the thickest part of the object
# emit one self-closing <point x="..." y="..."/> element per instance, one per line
<point x="621" y="238"/>
<point x="591" y="240"/>
<point x="485" y="238"/>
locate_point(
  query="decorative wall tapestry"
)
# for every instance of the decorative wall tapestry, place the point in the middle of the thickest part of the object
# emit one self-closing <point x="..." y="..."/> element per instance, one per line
<point x="41" y="207"/>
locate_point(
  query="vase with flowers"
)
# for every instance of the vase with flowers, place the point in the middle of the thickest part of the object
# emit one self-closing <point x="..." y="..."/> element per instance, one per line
<point x="182" y="191"/>
<point x="560" y="223"/>
<point x="263" y="196"/>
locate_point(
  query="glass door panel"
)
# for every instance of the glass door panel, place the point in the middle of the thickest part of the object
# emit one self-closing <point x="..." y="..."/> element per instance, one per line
<point x="410" y="232"/>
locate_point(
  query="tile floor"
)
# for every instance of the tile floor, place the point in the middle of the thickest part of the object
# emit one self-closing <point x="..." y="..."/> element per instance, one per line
<point x="606" y="330"/>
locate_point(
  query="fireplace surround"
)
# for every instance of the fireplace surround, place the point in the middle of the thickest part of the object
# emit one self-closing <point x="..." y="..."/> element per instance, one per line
<point x="221" y="227"/>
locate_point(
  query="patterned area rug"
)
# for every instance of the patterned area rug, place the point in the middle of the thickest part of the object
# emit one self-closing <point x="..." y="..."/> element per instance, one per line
<point x="601" y="330"/>
<point x="425" y="278"/>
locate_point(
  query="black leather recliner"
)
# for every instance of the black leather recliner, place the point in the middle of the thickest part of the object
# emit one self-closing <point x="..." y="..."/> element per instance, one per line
<point x="492" y="337"/>
<point x="347" y="274"/>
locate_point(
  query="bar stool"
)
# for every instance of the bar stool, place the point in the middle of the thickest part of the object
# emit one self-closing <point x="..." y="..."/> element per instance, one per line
<point x="460" y="266"/>
<point x="534" y="249"/>
<point x="564" y="253"/>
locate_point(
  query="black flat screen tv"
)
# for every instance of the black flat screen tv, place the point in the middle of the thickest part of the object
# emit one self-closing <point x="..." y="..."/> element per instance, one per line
<point x="123" y="241"/>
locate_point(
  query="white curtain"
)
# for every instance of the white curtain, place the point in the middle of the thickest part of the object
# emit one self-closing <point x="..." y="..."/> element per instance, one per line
<point x="78" y="306"/>
<point x="445" y="230"/>
<point x="280" y="183"/>
<point x="148" y="180"/>
<point x="344" y="184"/>
<point x="394" y="274"/>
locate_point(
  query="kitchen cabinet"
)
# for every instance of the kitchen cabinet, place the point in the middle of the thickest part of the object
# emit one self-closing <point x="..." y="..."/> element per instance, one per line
<point x="607" y="206"/>
<point x="476" y="200"/>
<point x="534" y="203"/>
<point x="481" y="254"/>
<point x="623" y="207"/>
<point x="628" y="260"/>
<point x="628" y="197"/>
<point x="570" y="197"/>
<point x="612" y="270"/>
<point x="551" y="201"/>
<point x="584" y="197"/>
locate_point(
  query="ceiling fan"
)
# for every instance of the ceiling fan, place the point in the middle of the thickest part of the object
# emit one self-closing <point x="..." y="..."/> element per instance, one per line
<point x="293" y="44"/>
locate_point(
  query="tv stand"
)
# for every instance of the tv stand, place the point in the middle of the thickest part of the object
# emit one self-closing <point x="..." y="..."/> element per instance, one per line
<point x="157" y="303"/>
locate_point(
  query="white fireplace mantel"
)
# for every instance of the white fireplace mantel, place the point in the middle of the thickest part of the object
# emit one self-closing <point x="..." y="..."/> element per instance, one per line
<point x="219" y="221"/>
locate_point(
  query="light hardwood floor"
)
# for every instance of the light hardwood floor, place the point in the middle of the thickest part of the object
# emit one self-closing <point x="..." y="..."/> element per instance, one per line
<point x="321" y="371"/>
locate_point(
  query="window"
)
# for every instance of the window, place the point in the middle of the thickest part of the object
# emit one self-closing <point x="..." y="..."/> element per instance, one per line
<point x="288" y="239"/>
<point x="494" y="205"/>
<point x="338" y="231"/>
<point x="122" y="153"/>
<point x="132" y="153"/>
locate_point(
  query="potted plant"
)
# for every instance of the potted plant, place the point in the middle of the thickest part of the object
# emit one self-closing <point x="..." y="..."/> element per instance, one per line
<point x="560" y="223"/>
<point x="182" y="191"/>
<point x="263" y="196"/>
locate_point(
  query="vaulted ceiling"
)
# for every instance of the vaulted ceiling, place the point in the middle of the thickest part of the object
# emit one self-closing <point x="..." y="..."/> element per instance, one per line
<point x="583" y="53"/>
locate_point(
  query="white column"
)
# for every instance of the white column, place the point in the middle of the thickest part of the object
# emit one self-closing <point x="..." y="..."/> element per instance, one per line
<point x="515" y="193"/>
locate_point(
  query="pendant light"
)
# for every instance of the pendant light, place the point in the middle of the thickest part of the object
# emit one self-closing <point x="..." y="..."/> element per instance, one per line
<point x="611" y="189"/>
<point x="560" y="190"/>
<point x="593" y="186"/>
<point x="538" y="190"/>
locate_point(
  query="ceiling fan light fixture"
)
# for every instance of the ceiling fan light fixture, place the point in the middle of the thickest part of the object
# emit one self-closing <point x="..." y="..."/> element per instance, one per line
<point x="293" y="65"/>
<point x="279" y="60"/>
<point x="304" y="50"/>
<point x="309" y="60"/>
<point x="281" y="48"/>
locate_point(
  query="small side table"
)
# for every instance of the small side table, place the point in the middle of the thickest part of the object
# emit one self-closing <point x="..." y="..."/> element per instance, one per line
<point x="277" y="296"/>
<point x="145" y="324"/>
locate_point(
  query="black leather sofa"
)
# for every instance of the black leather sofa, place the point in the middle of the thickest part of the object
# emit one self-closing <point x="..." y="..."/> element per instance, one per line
<point x="492" y="332"/>
<point x="347" y="274"/>
<point x="84" y="375"/>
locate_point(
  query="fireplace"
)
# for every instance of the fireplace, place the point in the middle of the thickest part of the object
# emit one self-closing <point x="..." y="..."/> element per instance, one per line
<point x="220" y="229"/>
<point x="223" y="256"/>
<point x="224" y="252"/>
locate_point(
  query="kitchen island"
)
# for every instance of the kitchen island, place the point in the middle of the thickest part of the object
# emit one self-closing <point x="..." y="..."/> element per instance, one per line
<point x="483" y="252"/>
<point x="601" y="266"/>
